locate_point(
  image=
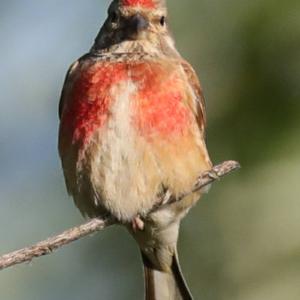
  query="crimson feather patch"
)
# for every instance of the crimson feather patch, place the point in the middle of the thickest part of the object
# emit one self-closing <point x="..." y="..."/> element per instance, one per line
<point x="144" y="3"/>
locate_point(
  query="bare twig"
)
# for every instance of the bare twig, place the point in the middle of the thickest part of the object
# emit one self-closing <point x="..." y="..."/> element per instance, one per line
<point x="51" y="244"/>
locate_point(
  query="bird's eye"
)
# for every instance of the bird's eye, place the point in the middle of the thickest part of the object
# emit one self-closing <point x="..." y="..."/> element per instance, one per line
<point x="114" y="17"/>
<point x="162" y="21"/>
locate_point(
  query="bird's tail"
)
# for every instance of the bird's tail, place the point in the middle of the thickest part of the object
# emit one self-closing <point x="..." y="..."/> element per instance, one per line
<point x="158" y="244"/>
<point x="165" y="285"/>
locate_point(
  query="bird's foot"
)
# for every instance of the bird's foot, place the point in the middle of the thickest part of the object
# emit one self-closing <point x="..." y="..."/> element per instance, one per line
<point x="212" y="174"/>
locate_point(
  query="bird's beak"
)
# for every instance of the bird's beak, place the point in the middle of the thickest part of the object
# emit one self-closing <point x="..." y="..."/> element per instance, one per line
<point x="138" y="23"/>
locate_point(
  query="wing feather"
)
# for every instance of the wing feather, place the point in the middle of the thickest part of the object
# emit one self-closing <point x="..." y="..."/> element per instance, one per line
<point x="197" y="89"/>
<point x="66" y="87"/>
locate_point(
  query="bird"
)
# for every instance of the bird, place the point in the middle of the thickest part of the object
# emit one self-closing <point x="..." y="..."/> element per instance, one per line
<point x="132" y="128"/>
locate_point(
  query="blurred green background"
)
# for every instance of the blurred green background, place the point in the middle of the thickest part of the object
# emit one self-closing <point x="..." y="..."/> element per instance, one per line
<point x="242" y="242"/>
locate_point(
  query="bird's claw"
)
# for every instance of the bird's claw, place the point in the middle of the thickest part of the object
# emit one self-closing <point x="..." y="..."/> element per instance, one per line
<point x="212" y="174"/>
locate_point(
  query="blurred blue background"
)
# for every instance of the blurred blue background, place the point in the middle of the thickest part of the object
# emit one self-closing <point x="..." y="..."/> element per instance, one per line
<point x="242" y="241"/>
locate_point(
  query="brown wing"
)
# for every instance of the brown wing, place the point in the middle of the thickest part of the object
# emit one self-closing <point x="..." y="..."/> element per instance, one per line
<point x="200" y="101"/>
<point x="66" y="87"/>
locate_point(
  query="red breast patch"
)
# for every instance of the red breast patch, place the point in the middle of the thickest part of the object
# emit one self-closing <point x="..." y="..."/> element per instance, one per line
<point x="90" y="100"/>
<point x="160" y="107"/>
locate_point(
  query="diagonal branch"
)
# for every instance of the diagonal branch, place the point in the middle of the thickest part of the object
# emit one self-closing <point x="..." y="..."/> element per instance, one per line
<point x="94" y="225"/>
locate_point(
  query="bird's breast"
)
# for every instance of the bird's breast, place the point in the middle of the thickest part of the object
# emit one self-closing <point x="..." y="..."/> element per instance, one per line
<point x="155" y="90"/>
<point x="127" y="131"/>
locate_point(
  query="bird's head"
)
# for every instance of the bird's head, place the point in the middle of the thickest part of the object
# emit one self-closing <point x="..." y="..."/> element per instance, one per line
<point x="135" y="26"/>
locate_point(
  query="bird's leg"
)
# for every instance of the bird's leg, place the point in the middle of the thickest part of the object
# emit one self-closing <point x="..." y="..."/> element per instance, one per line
<point x="137" y="224"/>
